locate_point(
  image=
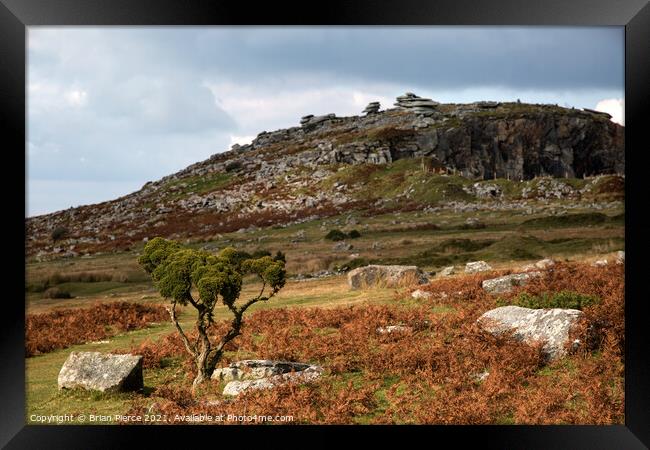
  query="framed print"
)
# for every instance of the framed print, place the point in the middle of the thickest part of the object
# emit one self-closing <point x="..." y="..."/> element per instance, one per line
<point x="395" y="219"/>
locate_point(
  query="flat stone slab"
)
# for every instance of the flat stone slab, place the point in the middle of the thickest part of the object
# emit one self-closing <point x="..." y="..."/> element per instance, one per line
<point x="236" y="387"/>
<point x="549" y="326"/>
<point x="253" y="369"/>
<point x="102" y="372"/>
<point x="390" y="276"/>
<point x="506" y="283"/>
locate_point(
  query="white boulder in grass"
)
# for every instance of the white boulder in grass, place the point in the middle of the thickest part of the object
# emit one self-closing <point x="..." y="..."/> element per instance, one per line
<point x="551" y="327"/>
<point x="391" y="276"/>
<point x="477" y="266"/>
<point x="620" y="257"/>
<point x="419" y="293"/>
<point x="506" y="283"/>
<point x="102" y="372"/>
<point x="394" y="329"/>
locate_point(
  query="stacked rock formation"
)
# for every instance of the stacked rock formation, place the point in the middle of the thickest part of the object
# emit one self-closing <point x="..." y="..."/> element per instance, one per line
<point x="313" y="120"/>
<point x="416" y="104"/>
<point x="372" y="108"/>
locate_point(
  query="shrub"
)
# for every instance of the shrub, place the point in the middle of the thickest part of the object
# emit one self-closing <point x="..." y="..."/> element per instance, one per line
<point x="55" y="292"/>
<point x="335" y="235"/>
<point x="562" y="299"/>
<point x="233" y="166"/>
<point x="354" y="234"/>
<point x="59" y="233"/>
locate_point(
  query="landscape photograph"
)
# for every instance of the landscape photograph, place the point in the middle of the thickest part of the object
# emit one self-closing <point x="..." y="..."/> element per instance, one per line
<point x="378" y="225"/>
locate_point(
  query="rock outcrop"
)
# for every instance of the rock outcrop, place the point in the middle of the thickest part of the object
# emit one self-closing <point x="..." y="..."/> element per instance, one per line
<point x="372" y="108"/>
<point x="412" y="102"/>
<point x="260" y="183"/>
<point x="388" y="276"/>
<point x="548" y="326"/>
<point x="101" y="372"/>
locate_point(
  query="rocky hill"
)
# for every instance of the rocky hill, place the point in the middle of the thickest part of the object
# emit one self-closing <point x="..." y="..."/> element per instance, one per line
<point x="420" y="154"/>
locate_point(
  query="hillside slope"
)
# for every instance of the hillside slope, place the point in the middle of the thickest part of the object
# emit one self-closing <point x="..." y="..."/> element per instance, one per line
<point x="391" y="160"/>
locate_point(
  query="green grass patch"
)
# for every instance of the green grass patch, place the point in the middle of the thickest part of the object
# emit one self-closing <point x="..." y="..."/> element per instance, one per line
<point x="562" y="299"/>
<point x="567" y="220"/>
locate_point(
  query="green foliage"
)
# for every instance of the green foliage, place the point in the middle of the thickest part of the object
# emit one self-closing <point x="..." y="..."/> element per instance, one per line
<point x="335" y="235"/>
<point x="567" y="220"/>
<point x="354" y="234"/>
<point x="59" y="233"/>
<point x="177" y="271"/>
<point x="562" y="299"/>
<point x="155" y="252"/>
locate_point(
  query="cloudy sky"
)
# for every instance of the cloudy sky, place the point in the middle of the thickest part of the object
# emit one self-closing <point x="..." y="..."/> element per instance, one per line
<point x="112" y="108"/>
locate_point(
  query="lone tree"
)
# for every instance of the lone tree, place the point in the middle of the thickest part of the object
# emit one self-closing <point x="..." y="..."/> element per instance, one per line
<point x="178" y="271"/>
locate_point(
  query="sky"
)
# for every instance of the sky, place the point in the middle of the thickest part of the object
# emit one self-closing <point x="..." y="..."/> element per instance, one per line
<point x="111" y="108"/>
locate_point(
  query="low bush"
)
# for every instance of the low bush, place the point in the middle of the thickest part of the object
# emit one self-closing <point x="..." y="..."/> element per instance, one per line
<point x="55" y="292"/>
<point x="354" y="234"/>
<point x="335" y="235"/>
<point x="233" y="166"/>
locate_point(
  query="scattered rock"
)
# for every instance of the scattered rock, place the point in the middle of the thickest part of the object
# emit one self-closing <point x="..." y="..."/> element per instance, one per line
<point x="504" y="284"/>
<point x="600" y="263"/>
<point x="103" y="372"/>
<point x="342" y="246"/>
<point x="394" y="329"/>
<point x="549" y="326"/>
<point x="307" y="375"/>
<point x="447" y="271"/>
<point x="391" y="276"/>
<point x="545" y="263"/>
<point x="253" y="369"/>
<point x="418" y="293"/>
<point x="480" y="377"/>
<point x="477" y="266"/>
<point x="620" y="257"/>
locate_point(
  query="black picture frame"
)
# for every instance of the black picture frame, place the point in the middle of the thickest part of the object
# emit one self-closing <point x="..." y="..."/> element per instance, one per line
<point x="634" y="15"/>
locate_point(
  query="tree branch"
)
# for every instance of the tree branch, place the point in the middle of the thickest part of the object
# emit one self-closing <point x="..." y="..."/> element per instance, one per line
<point x="186" y="341"/>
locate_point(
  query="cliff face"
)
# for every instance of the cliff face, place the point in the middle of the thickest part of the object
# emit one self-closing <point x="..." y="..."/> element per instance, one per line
<point x="538" y="144"/>
<point x="289" y="174"/>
